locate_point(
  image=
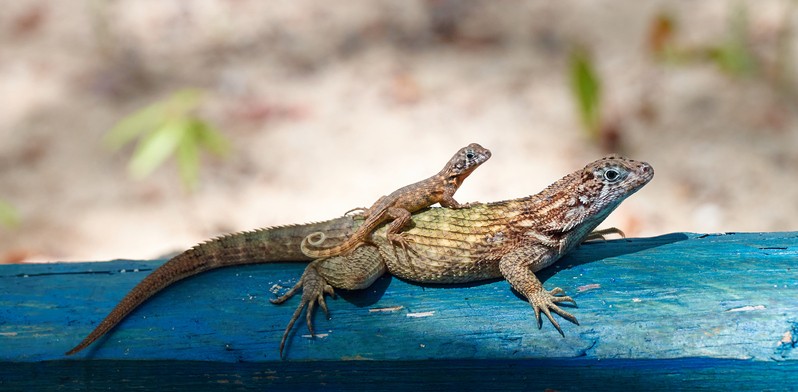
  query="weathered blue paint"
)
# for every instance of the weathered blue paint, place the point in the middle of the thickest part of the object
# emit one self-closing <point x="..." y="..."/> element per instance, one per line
<point x="683" y="310"/>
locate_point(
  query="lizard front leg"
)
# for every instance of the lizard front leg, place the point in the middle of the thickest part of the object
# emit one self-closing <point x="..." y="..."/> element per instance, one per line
<point x="357" y="270"/>
<point x="519" y="266"/>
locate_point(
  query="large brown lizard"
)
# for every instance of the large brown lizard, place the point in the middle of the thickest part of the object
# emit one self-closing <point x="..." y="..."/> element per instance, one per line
<point x="398" y="205"/>
<point x="512" y="239"/>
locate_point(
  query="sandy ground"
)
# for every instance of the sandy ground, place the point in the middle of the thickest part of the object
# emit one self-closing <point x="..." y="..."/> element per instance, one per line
<point x="329" y="105"/>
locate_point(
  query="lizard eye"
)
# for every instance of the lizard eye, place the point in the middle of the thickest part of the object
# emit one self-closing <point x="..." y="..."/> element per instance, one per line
<point x="470" y="155"/>
<point x="612" y="175"/>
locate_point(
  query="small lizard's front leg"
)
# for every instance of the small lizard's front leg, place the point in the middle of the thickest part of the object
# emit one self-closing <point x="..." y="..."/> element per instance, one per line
<point x="519" y="267"/>
<point x="357" y="270"/>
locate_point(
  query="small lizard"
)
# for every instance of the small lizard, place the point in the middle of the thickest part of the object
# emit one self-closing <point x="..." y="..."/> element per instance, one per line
<point x="512" y="239"/>
<point x="398" y="205"/>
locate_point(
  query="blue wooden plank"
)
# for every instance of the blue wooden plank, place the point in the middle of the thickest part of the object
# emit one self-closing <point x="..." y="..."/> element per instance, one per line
<point x="724" y="301"/>
<point x="686" y="374"/>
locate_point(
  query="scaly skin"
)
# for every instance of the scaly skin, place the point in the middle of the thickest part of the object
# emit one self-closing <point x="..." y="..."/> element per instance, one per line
<point x="512" y="239"/>
<point x="251" y="247"/>
<point x="398" y="205"/>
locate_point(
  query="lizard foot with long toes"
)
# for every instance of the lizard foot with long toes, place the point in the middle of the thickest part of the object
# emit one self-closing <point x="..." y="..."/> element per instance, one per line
<point x="313" y="288"/>
<point x="546" y="302"/>
<point x="398" y="239"/>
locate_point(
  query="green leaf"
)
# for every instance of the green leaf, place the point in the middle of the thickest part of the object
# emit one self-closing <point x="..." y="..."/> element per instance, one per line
<point x="165" y="128"/>
<point x="133" y="126"/>
<point x="586" y="88"/>
<point x="9" y="216"/>
<point x="734" y="55"/>
<point x="188" y="162"/>
<point x="156" y="147"/>
<point x="211" y="139"/>
<point x="153" y="117"/>
<point x="184" y="101"/>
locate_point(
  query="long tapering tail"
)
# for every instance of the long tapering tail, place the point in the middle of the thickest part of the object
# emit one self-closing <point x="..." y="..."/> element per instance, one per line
<point x="251" y="247"/>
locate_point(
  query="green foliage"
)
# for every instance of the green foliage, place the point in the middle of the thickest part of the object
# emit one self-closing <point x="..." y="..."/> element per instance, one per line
<point x="168" y="128"/>
<point x="8" y="215"/>
<point x="734" y="54"/>
<point x="586" y="89"/>
<point x="783" y="77"/>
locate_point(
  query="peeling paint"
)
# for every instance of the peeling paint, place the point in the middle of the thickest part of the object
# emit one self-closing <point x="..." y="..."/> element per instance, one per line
<point x="747" y="308"/>
<point x="787" y="338"/>
<point x="386" y="310"/>
<point x="587" y="287"/>
<point x="421" y="314"/>
<point x="318" y="335"/>
<point x="788" y="342"/>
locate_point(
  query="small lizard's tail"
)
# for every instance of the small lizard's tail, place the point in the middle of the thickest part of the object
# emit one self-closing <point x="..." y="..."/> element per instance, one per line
<point x="316" y="239"/>
<point x="252" y="247"/>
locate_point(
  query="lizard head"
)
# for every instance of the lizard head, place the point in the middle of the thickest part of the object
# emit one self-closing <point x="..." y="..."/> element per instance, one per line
<point x="465" y="161"/>
<point x="589" y="195"/>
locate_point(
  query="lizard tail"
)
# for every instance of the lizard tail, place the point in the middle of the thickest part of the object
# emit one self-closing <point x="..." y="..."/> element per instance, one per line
<point x="317" y="238"/>
<point x="252" y="247"/>
<point x="310" y="244"/>
<point x="320" y="238"/>
<point x="178" y="268"/>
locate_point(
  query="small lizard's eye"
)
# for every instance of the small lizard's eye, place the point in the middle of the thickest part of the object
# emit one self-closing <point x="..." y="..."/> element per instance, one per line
<point x="612" y="175"/>
<point x="470" y="155"/>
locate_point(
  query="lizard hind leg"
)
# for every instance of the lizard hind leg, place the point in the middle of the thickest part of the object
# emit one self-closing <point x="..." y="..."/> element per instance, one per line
<point x="314" y="287"/>
<point x="401" y="217"/>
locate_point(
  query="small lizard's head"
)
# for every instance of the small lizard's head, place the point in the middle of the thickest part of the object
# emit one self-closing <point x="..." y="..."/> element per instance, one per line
<point x="465" y="161"/>
<point x="592" y="193"/>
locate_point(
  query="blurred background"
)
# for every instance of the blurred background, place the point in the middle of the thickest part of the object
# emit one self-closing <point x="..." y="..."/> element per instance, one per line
<point x="135" y="128"/>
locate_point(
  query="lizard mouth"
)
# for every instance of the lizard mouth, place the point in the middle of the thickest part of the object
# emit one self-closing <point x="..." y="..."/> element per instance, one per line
<point x="645" y="173"/>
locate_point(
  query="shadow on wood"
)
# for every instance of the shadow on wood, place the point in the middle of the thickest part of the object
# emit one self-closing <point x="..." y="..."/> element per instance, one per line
<point x="678" y="311"/>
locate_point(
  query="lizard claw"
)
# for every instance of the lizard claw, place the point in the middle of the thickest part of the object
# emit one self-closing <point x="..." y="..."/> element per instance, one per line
<point x="314" y="287"/>
<point x="288" y="294"/>
<point x="398" y="239"/>
<point x="601" y="234"/>
<point x="356" y="211"/>
<point x="545" y="301"/>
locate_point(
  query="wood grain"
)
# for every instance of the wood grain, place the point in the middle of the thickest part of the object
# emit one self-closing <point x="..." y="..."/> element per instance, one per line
<point x="710" y="308"/>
